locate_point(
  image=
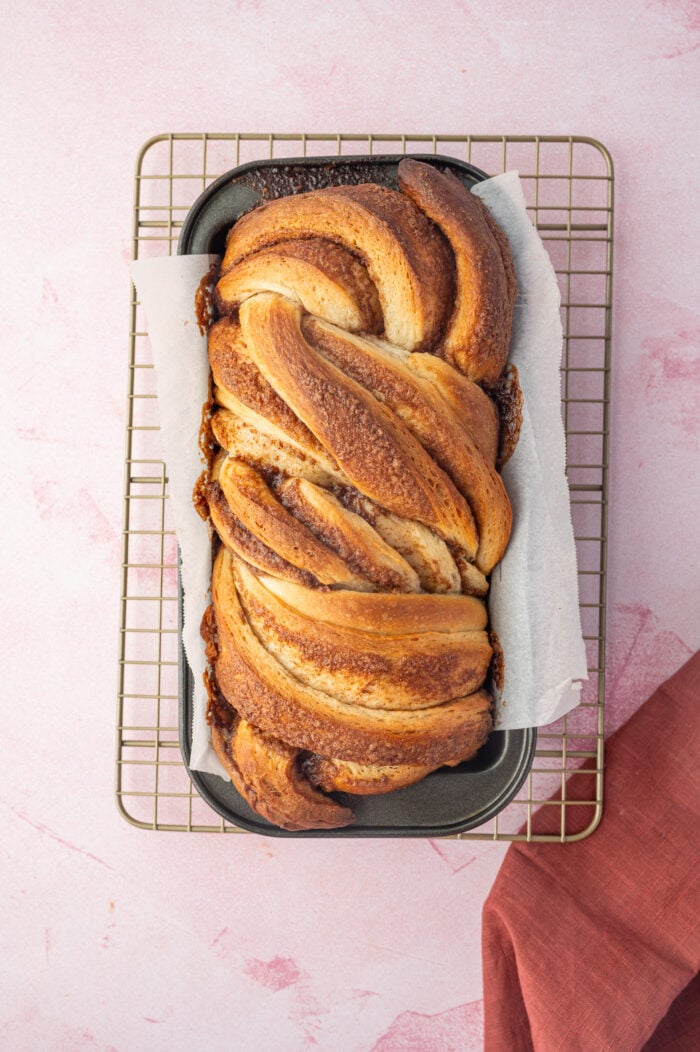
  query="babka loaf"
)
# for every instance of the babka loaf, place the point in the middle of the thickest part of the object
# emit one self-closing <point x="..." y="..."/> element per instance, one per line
<point x="353" y="492"/>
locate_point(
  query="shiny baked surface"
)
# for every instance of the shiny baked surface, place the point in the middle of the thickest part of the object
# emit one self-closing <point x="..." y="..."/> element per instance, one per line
<point x="354" y="494"/>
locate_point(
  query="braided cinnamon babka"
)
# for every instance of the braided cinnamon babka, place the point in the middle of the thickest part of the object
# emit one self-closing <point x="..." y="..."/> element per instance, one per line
<point x="354" y="491"/>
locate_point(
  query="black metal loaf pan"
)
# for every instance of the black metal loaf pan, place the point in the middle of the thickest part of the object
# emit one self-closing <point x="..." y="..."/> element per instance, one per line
<point x="452" y="799"/>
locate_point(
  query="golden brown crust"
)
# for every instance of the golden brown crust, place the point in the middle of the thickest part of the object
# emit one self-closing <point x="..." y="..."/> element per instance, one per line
<point x="235" y="373"/>
<point x="362" y="779"/>
<point x="478" y="333"/>
<point x="355" y="541"/>
<point x="406" y="257"/>
<point x="254" y="504"/>
<point x="358" y="502"/>
<point x="473" y="581"/>
<point x="374" y="448"/>
<point x="425" y="552"/>
<point x="388" y="671"/>
<point x="271" y="455"/>
<point x="267" y="695"/>
<point x="471" y="404"/>
<point x="243" y="543"/>
<point x="424" y="412"/>
<point x="383" y="613"/>
<point x="266" y="773"/>
<point x="280" y="439"/>
<point x="326" y="279"/>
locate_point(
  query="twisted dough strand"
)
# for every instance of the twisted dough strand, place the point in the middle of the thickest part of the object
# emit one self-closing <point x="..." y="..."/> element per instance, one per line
<point x="355" y="496"/>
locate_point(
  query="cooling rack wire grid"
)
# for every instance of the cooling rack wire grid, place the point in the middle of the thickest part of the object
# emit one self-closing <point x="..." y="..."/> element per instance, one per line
<point x="568" y="183"/>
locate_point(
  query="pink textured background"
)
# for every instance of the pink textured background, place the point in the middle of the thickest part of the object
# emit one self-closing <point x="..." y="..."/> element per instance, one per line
<point x="119" y="939"/>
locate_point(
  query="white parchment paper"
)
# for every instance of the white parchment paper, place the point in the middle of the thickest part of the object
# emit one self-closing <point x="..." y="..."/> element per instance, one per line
<point x="533" y="601"/>
<point x="166" y="289"/>
<point x="534" y="590"/>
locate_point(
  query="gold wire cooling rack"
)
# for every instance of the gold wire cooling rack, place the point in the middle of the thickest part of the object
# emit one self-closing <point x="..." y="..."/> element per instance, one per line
<point x="568" y="183"/>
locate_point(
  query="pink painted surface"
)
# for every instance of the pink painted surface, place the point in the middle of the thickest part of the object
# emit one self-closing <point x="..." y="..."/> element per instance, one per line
<point x="118" y="939"/>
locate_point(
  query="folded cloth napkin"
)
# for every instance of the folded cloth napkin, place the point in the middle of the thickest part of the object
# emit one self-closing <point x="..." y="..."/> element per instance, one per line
<point x="587" y="945"/>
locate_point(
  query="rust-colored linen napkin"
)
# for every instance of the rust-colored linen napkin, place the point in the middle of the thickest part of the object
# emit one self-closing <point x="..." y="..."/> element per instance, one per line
<point x="587" y="945"/>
